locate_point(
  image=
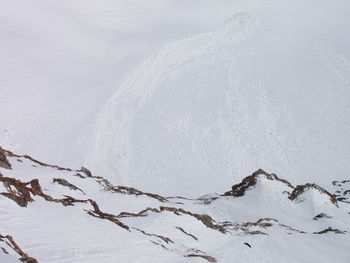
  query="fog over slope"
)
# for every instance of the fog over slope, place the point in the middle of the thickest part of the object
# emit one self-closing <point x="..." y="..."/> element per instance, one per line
<point x="176" y="97"/>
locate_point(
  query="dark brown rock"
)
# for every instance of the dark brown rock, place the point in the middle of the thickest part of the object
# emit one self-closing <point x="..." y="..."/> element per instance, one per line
<point x="4" y="162"/>
<point x="321" y="215"/>
<point x="300" y="189"/>
<point x="329" y="229"/>
<point x="64" y="182"/>
<point x="250" y="181"/>
<point x="10" y="242"/>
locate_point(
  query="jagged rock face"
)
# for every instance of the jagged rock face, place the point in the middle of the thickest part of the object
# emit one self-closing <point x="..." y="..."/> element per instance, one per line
<point x="301" y="189"/>
<point x="4" y="163"/>
<point x="10" y="243"/>
<point x="249" y="182"/>
<point x="342" y="190"/>
<point x="294" y="193"/>
<point x="125" y="224"/>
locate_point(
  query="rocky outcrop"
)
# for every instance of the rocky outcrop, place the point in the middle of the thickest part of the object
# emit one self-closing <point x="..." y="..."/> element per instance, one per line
<point x="64" y="182"/>
<point x="120" y="189"/>
<point x="300" y="189"/>
<point x="177" y="212"/>
<point x="132" y="191"/>
<point x="207" y="220"/>
<point x="4" y="163"/>
<point x="22" y="192"/>
<point x="10" y="242"/>
<point x="186" y="233"/>
<point x="330" y="229"/>
<point x="342" y="190"/>
<point x="262" y="223"/>
<point x="11" y="154"/>
<point x="250" y="181"/>
<point x="321" y="215"/>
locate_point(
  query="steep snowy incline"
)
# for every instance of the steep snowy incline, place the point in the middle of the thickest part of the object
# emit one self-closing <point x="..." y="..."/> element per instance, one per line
<point x="61" y="60"/>
<point x="270" y="88"/>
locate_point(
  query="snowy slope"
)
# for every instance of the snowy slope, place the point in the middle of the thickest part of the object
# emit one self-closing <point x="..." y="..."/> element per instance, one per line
<point x="61" y="60"/>
<point x="169" y="103"/>
<point x="269" y="88"/>
<point x="148" y="92"/>
<point x="56" y="214"/>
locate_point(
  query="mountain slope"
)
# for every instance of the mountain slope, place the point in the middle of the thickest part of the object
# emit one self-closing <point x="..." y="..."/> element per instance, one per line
<point x="57" y="214"/>
<point x="269" y="88"/>
<point x="178" y="93"/>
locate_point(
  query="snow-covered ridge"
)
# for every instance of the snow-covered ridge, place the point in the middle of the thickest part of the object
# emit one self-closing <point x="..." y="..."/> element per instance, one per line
<point x="57" y="214"/>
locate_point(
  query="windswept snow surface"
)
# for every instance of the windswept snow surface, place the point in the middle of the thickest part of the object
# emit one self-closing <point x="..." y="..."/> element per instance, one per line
<point x="156" y="93"/>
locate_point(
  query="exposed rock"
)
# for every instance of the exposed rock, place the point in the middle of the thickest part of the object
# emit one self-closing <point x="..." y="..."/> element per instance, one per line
<point x="321" y="215"/>
<point x="247" y="244"/>
<point x="120" y="189"/>
<point x="86" y="171"/>
<point x="22" y="192"/>
<point x="165" y="239"/>
<point x="208" y="258"/>
<point x="262" y="223"/>
<point x="342" y="190"/>
<point x="132" y="191"/>
<point x="205" y="219"/>
<point x="11" y="154"/>
<point x="80" y="176"/>
<point x="17" y="191"/>
<point x="25" y="192"/>
<point x="239" y="190"/>
<point x="300" y="189"/>
<point x="329" y="229"/>
<point x="207" y="199"/>
<point x="186" y="233"/>
<point x="4" y="162"/>
<point x="4" y="250"/>
<point x="255" y="232"/>
<point x="10" y="242"/>
<point x="66" y="183"/>
<point x="99" y="214"/>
